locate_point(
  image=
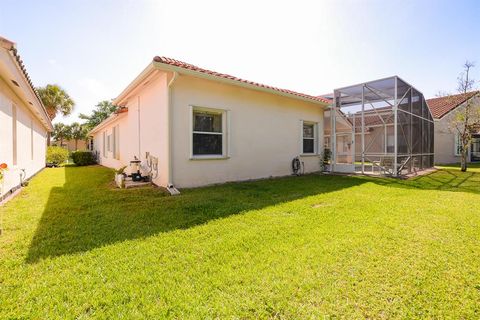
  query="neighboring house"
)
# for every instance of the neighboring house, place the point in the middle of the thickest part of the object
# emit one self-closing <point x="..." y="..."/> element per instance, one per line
<point x="24" y="122"/>
<point x="206" y="127"/>
<point x="447" y="147"/>
<point x="70" y="145"/>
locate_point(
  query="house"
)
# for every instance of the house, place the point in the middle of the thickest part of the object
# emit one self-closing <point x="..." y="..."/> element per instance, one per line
<point x="24" y="122"/>
<point x="71" y="145"/>
<point x="447" y="148"/>
<point x="204" y="127"/>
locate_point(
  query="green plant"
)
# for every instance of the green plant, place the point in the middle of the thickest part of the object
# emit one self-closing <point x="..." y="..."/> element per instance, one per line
<point x="56" y="100"/>
<point x="326" y="156"/>
<point x="83" y="158"/>
<point x="3" y="167"/>
<point x="57" y="155"/>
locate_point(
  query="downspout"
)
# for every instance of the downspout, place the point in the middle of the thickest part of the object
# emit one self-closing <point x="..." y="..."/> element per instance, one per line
<point x="170" y="186"/>
<point x="138" y="124"/>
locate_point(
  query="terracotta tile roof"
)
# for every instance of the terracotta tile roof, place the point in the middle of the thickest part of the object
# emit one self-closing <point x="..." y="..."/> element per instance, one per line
<point x="10" y="45"/>
<point x="184" y="65"/>
<point x="121" y="110"/>
<point x="441" y="106"/>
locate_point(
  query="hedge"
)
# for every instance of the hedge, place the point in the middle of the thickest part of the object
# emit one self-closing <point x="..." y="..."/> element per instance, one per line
<point x="56" y="155"/>
<point x="83" y="158"/>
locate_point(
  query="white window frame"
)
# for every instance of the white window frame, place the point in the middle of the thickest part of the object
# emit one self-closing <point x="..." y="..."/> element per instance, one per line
<point x="456" y="145"/>
<point x="104" y="144"/>
<point x="31" y="140"/>
<point x="225" y="132"/>
<point x="109" y="142"/>
<point x="315" y="138"/>
<point x="14" y="135"/>
<point x="116" y="142"/>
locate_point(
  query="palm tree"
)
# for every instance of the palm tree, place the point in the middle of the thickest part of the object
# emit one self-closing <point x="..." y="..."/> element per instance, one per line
<point x="102" y="111"/>
<point x="55" y="100"/>
<point x="61" y="132"/>
<point x="78" y="132"/>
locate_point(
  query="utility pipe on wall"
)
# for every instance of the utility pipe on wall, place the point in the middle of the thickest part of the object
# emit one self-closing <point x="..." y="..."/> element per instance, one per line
<point x="170" y="186"/>
<point x="138" y="114"/>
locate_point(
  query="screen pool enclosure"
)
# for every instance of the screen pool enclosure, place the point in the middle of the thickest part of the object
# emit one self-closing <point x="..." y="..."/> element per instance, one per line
<point x="379" y="127"/>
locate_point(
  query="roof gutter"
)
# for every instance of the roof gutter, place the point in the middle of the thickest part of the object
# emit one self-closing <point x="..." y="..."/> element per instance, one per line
<point x="198" y="74"/>
<point x="12" y="50"/>
<point x="133" y="86"/>
<point x="105" y="122"/>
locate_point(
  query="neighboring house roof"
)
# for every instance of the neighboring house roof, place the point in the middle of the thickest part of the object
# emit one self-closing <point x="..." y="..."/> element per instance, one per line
<point x="173" y="65"/>
<point x="443" y="105"/>
<point x="11" y="47"/>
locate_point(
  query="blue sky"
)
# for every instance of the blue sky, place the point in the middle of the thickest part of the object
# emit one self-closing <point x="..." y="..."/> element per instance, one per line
<point x="95" y="48"/>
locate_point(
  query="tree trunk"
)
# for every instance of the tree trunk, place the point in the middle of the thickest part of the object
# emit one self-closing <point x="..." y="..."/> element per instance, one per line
<point x="76" y="144"/>
<point x="464" y="161"/>
<point x="49" y="139"/>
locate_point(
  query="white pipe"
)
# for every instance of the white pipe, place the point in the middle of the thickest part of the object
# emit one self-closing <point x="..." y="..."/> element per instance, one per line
<point x="138" y="114"/>
<point x="169" y="131"/>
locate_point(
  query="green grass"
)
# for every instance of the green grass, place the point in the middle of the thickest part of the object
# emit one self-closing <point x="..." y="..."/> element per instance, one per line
<point x="298" y="247"/>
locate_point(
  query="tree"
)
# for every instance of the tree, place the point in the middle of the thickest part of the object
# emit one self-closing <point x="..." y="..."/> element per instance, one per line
<point x="61" y="132"/>
<point x="442" y="93"/>
<point x="102" y="111"/>
<point x="78" y="132"/>
<point x="466" y="120"/>
<point x="56" y="100"/>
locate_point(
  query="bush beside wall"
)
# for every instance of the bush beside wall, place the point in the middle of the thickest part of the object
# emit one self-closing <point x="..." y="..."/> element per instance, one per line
<point x="83" y="158"/>
<point x="57" y="155"/>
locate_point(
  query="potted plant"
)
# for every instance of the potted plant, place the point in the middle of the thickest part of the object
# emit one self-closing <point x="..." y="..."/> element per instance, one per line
<point x="325" y="160"/>
<point x="3" y="167"/>
<point x="120" y="177"/>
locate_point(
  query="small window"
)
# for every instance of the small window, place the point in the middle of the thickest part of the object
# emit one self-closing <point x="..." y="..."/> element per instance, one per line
<point x="14" y="134"/>
<point x="458" y="145"/>
<point x="208" y="133"/>
<point x="104" y="144"/>
<point x="326" y="142"/>
<point x="31" y="139"/>
<point x="309" y="138"/>
<point x="116" y="142"/>
<point x="109" y="143"/>
<point x="390" y="143"/>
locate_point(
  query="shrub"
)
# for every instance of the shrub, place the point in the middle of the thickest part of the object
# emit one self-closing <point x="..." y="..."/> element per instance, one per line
<point x="83" y="158"/>
<point x="56" y="155"/>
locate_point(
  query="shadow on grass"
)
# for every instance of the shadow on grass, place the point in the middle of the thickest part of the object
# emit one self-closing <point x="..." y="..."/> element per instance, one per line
<point x="87" y="212"/>
<point x="447" y="178"/>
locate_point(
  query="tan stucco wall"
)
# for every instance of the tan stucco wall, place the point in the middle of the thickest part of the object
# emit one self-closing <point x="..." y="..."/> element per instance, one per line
<point x="142" y="129"/>
<point x="264" y="133"/>
<point x="70" y="145"/>
<point x="107" y="159"/>
<point x="444" y="144"/>
<point x="31" y="139"/>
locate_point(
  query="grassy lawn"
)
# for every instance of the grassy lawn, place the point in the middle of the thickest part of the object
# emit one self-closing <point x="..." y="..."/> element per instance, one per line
<point x="299" y="247"/>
